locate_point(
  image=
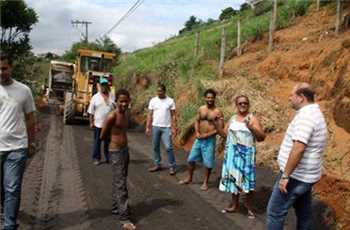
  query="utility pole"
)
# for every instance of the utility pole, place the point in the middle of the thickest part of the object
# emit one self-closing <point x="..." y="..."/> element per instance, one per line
<point x="86" y="23"/>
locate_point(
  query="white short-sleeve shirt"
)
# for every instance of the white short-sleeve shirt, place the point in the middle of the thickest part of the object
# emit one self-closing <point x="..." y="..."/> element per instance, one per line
<point x="161" y="111"/>
<point x="100" y="108"/>
<point x="309" y="127"/>
<point x="16" y="100"/>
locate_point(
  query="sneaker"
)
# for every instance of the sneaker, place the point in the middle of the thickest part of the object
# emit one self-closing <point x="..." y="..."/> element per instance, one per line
<point x="154" y="169"/>
<point x="96" y="162"/>
<point x="172" y="171"/>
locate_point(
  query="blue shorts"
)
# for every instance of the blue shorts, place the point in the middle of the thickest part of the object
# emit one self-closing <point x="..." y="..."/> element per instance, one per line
<point x="203" y="151"/>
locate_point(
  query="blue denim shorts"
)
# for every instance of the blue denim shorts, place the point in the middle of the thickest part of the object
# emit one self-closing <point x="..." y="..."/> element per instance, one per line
<point x="203" y="151"/>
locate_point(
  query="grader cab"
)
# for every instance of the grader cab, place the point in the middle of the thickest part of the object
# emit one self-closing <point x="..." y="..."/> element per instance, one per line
<point x="91" y="66"/>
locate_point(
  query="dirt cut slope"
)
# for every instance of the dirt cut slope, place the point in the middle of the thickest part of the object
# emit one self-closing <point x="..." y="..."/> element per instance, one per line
<point x="308" y="50"/>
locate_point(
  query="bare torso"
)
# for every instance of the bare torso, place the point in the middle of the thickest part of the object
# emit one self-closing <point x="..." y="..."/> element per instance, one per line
<point x="119" y="138"/>
<point x="206" y="119"/>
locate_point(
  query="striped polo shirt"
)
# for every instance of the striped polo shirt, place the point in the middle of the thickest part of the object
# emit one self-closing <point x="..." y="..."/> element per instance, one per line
<point x="309" y="127"/>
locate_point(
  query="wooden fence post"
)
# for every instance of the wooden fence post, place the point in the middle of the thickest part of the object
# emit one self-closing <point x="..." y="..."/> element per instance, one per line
<point x="272" y="26"/>
<point x="222" y="52"/>
<point x="239" y="51"/>
<point x="196" y="45"/>
<point x="338" y="17"/>
<point x="317" y="5"/>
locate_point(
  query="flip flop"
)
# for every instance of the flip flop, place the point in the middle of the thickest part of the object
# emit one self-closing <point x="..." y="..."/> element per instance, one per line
<point x="228" y="210"/>
<point x="251" y="214"/>
<point x="184" y="182"/>
<point x="204" y="188"/>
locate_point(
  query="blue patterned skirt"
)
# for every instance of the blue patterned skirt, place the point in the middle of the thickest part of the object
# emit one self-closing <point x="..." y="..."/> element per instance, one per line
<point x="238" y="171"/>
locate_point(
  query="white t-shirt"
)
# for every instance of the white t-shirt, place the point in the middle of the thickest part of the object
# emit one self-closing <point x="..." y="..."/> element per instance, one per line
<point x="161" y="111"/>
<point x="100" y="108"/>
<point x="16" y="100"/>
<point x="309" y="127"/>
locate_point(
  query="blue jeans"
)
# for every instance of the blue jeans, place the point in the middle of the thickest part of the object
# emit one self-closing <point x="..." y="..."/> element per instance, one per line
<point x="97" y="145"/>
<point x="299" y="196"/>
<point x="163" y="133"/>
<point x="12" y="165"/>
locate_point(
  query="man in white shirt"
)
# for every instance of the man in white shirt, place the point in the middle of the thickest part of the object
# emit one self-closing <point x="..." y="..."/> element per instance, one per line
<point x="161" y="120"/>
<point x="300" y="161"/>
<point x="100" y="105"/>
<point x="17" y="130"/>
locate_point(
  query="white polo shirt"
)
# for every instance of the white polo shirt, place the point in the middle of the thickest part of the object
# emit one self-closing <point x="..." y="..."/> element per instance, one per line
<point x="100" y="108"/>
<point x="309" y="127"/>
<point x="161" y="111"/>
<point x="16" y="100"/>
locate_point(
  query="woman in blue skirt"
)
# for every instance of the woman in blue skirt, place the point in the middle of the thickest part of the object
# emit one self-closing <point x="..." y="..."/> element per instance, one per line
<point x="238" y="170"/>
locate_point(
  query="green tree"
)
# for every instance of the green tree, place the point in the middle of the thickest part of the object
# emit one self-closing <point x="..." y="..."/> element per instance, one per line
<point x="103" y="44"/>
<point x="17" y="21"/>
<point x="244" y="6"/>
<point x="106" y="44"/>
<point x="210" y="21"/>
<point x="227" y="13"/>
<point x="190" y="24"/>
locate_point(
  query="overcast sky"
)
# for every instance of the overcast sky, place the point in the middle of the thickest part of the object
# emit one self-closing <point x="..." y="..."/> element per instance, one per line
<point x="152" y="22"/>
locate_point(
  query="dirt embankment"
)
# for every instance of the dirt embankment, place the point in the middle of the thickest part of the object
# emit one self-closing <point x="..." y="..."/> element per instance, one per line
<point x="308" y="50"/>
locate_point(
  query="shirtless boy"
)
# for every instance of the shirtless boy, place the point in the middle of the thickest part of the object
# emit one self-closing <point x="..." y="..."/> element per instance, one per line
<point x="203" y="149"/>
<point x="116" y="125"/>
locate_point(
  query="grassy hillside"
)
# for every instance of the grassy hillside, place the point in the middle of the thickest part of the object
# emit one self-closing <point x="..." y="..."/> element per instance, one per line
<point x="173" y="63"/>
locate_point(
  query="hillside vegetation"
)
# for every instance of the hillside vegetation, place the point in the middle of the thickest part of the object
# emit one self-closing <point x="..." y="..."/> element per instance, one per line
<point x="306" y="48"/>
<point x="173" y="62"/>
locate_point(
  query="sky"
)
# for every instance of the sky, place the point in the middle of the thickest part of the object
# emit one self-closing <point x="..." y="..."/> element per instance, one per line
<point x="152" y="22"/>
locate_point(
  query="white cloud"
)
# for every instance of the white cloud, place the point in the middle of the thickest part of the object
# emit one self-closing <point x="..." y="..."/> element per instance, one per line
<point x="153" y="21"/>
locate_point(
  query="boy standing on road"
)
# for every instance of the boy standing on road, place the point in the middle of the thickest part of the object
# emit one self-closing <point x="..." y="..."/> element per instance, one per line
<point x="203" y="149"/>
<point x="100" y="105"/>
<point x="161" y="119"/>
<point x="17" y="130"/>
<point x="116" y="125"/>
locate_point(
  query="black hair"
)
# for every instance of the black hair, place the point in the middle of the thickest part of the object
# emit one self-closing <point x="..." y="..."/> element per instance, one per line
<point x="240" y="96"/>
<point x="210" y="91"/>
<point x="4" y="57"/>
<point x="307" y="92"/>
<point x="162" y="86"/>
<point x="122" y="92"/>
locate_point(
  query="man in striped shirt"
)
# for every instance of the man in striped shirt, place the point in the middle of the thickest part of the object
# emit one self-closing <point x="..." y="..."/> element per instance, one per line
<point x="300" y="161"/>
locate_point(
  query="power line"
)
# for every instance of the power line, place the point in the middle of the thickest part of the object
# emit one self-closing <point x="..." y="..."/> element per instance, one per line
<point x="128" y="13"/>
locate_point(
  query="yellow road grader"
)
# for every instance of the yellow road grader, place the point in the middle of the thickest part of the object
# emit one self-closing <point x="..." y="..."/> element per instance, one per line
<point x="90" y="66"/>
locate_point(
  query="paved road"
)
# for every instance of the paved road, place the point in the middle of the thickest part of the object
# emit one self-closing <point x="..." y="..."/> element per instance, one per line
<point x="63" y="190"/>
<point x="157" y="201"/>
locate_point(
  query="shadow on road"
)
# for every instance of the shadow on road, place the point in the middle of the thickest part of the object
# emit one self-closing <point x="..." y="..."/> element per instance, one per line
<point x="147" y="207"/>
